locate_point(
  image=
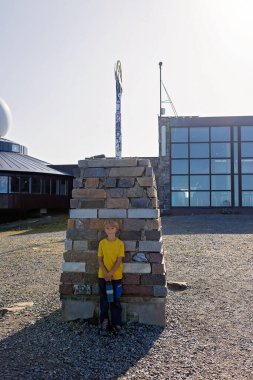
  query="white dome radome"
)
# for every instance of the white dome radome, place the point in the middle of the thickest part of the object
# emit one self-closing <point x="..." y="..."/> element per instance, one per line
<point x="5" y="118"/>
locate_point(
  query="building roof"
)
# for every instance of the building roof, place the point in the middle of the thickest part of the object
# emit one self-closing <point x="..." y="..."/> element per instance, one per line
<point x="202" y="121"/>
<point x="15" y="162"/>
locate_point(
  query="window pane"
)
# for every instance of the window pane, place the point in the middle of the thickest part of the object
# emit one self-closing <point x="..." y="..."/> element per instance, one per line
<point x="179" y="182"/>
<point x="247" y="165"/>
<point x="221" y="182"/>
<point x="179" y="134"/>
<point x="220" y="150"/>
<point x="247" y="133"/>
<point x="247" y="149"/>
<point x="199" y="150"/>
<point x="247" y="182"/>
<point x="24" y="184"/>
<point x="179" y="150"/>
<point x="199" y="182"/>
<point x="200" y="198"/>
<point x="236" y="193"/>
<point x="180" y="199"/>
<point x="221" y="198"/>
<point x="199" y="134"/>
<point x="220" y="166"/>
<point x="14" y="184"/>
<point x="235" y="133"/>
<point x="63" y="187"/>
<point x="236" y="157"/>
<point x="36" y="185"/>
<point x="46" y="186"/>
<point x="199" y="166"/>
<point x="3" y="184"/>
<point x="220" y="134"/>
<point x="179" y="166"/>
<point x="54" y="186"/>
<point x="247" y="198"/>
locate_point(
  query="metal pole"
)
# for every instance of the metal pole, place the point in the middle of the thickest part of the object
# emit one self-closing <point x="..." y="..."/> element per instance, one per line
<point x="160" y="67"/>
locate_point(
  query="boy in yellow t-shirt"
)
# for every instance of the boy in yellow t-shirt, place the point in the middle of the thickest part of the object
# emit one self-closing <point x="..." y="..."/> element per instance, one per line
<point x="110" y="253"/>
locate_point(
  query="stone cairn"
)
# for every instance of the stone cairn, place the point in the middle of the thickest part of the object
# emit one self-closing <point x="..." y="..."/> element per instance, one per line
<point x="124" y="190"/>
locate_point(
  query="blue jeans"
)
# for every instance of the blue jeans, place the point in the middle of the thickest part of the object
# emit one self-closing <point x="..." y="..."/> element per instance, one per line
<point x="115" y="307"/>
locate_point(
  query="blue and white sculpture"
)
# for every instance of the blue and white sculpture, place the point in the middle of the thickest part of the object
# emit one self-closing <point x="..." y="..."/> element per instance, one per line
<point x="118" y="138"/>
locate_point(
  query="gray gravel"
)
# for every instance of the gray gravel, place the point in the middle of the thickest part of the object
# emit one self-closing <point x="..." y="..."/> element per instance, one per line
<point x="209" y="325"/>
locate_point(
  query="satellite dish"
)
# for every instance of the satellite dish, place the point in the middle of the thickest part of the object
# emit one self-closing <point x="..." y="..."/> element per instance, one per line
<point x="5" y="118"/>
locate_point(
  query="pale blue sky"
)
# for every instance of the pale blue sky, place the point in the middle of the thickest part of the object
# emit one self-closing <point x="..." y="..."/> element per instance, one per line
<point x="57" y="69"/>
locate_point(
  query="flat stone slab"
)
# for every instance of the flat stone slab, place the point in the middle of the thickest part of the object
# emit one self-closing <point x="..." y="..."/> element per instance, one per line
<point x="126" y="172"/>
<point x="137" y="268"/>
<point x="112" y="213"/>
<point x="73" y="267"/>
<point x="150" y="246"/>
<point x="143" y="213"/>
<point x="107" y="162"/>
<point x="83" y="213"/>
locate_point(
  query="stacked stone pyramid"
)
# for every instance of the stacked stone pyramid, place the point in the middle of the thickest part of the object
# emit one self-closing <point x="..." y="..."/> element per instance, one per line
<point x="124" y="190"/>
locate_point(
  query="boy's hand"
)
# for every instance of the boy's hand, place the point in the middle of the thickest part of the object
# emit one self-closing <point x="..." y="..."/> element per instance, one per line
<point x="108" y="276"/>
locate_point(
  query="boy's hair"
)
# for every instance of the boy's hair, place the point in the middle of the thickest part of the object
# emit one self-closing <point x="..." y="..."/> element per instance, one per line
<point x="112" y="223"/>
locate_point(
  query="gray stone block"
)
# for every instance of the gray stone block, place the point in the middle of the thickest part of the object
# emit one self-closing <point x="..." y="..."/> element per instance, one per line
<point x="91" y="203"/>
<point x="150" y="246"/>
<point x="135" y="191"/>
<point x="116" y="193"/>
<point x="133" y="225"/>
<point x="153" y="235"/>
<point x="73" y="267"/>
<point x="160" y="291"/>
<point x="80" y="245"/>
<point x="68" y="244"/>
<point x="130" y="246"/>
<point x="110" y="182"/>
<point x="126" y="182"/>
<point x="77" y="182"/>
<point x="126" y="172"/>
<point x="140" y="202"/>
<point x="112" y="213"/>
<point x="149" y="313"/>
<point x="143" y="213"/>
<point x="143" y="162"/>
<point x="137" y="268"/>
<point x="83" y="213"/>
<point x="153" y="279"/>
<point x="73" y="203"/>
<point x="149" y="172"/>
<point x="130" y="235"/>
<point x="79" y="308"/>
<point x="107" y="162"/>
<point x="94" y="172"/>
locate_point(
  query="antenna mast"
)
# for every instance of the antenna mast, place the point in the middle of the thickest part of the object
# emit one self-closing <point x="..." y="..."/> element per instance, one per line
<point x="168" y="99"/>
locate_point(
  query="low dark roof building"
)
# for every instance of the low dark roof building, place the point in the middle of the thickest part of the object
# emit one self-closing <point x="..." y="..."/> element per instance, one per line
<point x="28" y="183"/>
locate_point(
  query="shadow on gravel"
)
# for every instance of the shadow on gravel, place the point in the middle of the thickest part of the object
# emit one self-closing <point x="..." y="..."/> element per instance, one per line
<point x="54" y="349"/>
<point x="207" y="224"/>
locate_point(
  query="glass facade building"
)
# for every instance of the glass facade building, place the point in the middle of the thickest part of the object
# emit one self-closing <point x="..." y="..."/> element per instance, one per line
<point x="211" y="161"/>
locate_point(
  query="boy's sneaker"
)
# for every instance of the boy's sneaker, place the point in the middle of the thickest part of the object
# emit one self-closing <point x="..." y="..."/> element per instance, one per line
<point x="104" y="328"/>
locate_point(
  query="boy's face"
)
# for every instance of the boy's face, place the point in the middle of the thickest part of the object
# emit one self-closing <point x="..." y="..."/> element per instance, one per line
<point x="110" y="232"/>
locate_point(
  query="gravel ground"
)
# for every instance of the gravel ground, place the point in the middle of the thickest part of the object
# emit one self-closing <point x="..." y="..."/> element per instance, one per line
<point x="209" y="331"/>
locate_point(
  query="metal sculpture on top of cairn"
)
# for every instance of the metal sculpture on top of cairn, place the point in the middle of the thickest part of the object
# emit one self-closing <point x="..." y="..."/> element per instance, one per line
<point x="118" y="141"/>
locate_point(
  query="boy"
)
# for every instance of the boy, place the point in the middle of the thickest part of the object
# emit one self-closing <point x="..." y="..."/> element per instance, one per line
<point x="110" y="253"/>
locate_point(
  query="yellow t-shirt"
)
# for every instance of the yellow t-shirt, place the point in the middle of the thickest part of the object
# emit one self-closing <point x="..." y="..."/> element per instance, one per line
<point x="110" y="251"/>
